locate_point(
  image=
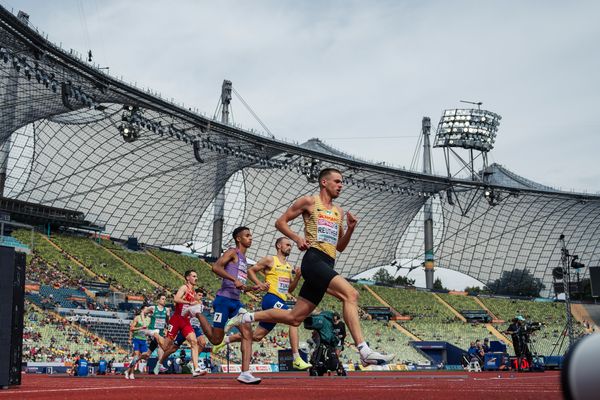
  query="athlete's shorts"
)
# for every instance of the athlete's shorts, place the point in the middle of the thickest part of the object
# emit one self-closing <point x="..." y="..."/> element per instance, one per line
<point x="270" y="301"/>
<point x="180" y="338"/>
<point x="317" y="271"/>
<point x="140" y="345"/>
<point x="178" y="324"/>
<point x="225" y="308"/>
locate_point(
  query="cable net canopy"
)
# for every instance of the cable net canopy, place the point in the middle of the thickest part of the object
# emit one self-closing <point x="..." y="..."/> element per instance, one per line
<point x="73" y="137"/>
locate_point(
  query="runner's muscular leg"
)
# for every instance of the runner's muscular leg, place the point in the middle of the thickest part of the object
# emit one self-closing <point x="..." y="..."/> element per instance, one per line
<point x="343" y="290"/>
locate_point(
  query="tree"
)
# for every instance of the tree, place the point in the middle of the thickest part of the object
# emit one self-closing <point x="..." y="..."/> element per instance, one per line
<point x="473" y="290"/>
<point x="383" y="277"/>
<point x="518" y="282"/>
<point x="437" y="285"/>
<point x="404" y="281"/>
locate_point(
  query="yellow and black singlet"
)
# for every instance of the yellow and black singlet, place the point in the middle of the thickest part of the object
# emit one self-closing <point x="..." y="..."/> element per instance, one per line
<point x="322" y="227"/>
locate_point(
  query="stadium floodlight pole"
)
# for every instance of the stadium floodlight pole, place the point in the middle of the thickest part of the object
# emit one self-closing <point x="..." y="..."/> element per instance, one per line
<point x="219" y="213"/>
<point x="427" y="207"/>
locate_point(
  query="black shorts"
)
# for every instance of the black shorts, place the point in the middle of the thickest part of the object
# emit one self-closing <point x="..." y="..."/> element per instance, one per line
<point x="317" y="271"/>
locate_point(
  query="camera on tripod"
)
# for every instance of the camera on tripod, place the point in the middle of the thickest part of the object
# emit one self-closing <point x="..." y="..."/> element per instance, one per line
<point x="530" y="327"/>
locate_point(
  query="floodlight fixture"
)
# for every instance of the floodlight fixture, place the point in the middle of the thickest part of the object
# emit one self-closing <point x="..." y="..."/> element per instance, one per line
<point x="468" y="129"/>
<point x="129" y="132"/>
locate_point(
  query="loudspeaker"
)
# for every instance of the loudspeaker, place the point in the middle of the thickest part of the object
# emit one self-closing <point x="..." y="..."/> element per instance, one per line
<point x="12" y="307"/>
<point x="595" y="281"/>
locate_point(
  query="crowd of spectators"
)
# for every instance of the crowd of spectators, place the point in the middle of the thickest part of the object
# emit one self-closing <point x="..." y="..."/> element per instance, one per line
<point x="50" y="338"/>
<point x="42" y="272"/>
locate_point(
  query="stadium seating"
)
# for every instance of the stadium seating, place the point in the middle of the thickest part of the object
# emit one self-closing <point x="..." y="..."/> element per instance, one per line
<point x="417" y="304"/>
<point x="103" y="264"/>
<point x="459" y="302"/>
<point x="182" y="263"/>
<point x="53" y="258"/>
<point x="146" y="264"/>
<point x="47" y="337"/>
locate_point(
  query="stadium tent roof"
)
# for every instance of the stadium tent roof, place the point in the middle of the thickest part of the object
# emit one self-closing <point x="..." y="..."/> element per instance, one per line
<point x="59" y="123"/>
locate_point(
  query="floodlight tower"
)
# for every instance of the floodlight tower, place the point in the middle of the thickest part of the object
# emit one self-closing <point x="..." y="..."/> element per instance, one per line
<point x="471" y="129"/>
<point x="219" y="214"/>
<point x="427" y="207"/>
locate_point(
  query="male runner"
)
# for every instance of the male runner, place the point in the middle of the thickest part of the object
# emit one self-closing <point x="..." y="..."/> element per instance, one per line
<point x="159" y="316"/>
<point x="137" y="337"/>
<point x="180" y="321"/>
<point x="233" y="268"/>
<point x="323" y="235"/>
<point x="180" y="339"/>
<point x="280" y="279"/>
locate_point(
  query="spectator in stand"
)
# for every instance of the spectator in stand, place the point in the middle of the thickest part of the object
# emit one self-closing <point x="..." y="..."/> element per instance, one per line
<point x="472" y="352"/>
<point x="486" y="345"/>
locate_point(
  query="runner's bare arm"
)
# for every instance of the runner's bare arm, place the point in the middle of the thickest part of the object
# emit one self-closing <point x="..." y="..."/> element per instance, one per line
<point x="302" y="205"/>
<point x="345" y="236"/>
<point x="294" y="283"/>
<point x="264" y="263"/>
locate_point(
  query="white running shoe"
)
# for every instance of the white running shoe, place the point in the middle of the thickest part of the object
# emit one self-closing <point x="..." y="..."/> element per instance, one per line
<point x="126" y="374"/>
<point x="199" y="372"/>
<point x="248" y="379"/>
<point x="375" y="358"/>
<point x="157" y="368"/>
<point x="235" y="321"/>
<point x="131" y="376"/>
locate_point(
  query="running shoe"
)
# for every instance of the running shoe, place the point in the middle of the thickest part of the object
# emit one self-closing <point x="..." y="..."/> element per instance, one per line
<point x="158" y="368"/>
<point x="218" y="347"/>
<point x="126" y="374"/>
<point x="235" y="321"/>
<point x="199" y="372"/>
<point x="300" y="364"/>
<point x="248" y="379"/>
<point x="375" y="358"/>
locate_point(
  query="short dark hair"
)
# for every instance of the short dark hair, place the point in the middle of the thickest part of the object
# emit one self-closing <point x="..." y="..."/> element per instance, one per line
<point x="280" y="239"/>
<point x="239" y="230"/>
<point x="326" y="172"/>
<point x="188" y="272"/>
<point x="201" y="290"/>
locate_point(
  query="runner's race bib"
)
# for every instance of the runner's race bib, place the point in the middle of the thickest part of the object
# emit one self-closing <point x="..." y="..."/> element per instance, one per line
<point x="242" y="273"/>
<point x="159" y="323"/>
<point x="283" y="285"/>
<point x="327" y="227"/>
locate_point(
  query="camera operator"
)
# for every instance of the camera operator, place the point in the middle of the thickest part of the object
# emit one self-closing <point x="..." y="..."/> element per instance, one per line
<point x="515" y="331"/>
<point x="521" y="332"/>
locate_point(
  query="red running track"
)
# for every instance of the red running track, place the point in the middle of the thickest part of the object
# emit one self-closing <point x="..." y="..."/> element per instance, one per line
<point x="296" y="386"/>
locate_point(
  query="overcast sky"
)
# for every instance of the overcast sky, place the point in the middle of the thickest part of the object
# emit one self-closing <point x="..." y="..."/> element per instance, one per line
<point x="361" y="75"/>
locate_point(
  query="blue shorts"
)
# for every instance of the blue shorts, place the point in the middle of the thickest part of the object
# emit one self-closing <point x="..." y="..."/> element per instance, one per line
<point x="140" y="345"/>
<point x="225" y="308"/>
<point x="270" y="301"/>
<point x="180" y="339"/>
